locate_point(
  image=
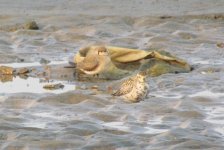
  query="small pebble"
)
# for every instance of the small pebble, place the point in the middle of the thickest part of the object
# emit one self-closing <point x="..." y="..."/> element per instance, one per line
<point x="220" y="45"/>
<point x="23" y="71"/>
<point x="94" y="87"/>
<point x="53" y="86"/>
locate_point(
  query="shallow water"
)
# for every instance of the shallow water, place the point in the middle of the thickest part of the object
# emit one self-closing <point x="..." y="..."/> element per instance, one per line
<point x="32" y="85"/>
<point x="32" y="64"/>
<point x="182" y="111"/>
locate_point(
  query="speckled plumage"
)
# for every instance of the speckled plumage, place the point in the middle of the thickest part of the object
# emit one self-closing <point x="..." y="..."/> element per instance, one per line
<point x="133" y="89"/>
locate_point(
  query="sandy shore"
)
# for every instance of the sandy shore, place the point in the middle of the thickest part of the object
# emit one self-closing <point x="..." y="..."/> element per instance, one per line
<point x="182" y="111"/>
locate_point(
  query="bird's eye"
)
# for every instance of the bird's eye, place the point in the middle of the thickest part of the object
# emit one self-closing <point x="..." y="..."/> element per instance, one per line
<point x="102" y="53"/>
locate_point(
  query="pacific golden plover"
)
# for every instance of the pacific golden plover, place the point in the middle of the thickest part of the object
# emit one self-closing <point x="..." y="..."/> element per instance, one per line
<point x="133" y="89"/>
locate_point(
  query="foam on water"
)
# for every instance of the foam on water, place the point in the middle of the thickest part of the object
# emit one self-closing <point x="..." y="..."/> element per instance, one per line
<point x="35" y="124"/>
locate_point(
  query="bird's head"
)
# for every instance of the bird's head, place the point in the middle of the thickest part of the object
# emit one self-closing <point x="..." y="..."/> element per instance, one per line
<point x="142" y="76"/>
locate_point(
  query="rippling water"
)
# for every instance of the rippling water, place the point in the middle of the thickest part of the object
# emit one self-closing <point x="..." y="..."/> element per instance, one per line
<point x="182" y="111"/>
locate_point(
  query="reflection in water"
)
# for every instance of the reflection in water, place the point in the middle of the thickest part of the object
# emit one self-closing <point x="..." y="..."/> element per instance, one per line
<point x="30" y="85"/>
<point x="31" y="64"/>
<point x="6" y="78"/>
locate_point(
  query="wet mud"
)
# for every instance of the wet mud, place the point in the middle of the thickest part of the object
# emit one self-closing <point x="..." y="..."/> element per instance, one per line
<point x="182" y="111"/>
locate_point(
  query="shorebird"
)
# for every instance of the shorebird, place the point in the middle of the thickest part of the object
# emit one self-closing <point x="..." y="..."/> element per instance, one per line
<point x="95" y="62"/>
<point x="133" y="89"/>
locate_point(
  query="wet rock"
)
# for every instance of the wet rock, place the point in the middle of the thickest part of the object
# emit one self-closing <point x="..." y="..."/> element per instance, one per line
<point x="53" y="86"/>
<point x="155" y="67"/>
<point x="23" y="76"/>
<point x="23" y="71"/>
<point x="70" y="66"/>
<point x="95" y="87"/>
<point x="220" y="45"/>
<point x="20" y="60"/>
<point x="165" y="17"/>
<point x="4" y="70"/>
<point x="32" y="25"/>
<point x="218" y="16"/>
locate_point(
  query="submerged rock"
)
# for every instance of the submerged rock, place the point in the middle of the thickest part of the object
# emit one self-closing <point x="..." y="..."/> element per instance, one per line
<point x="23" y="71"/>
<point x="31" y="25"/>
<point x="23" y="76"/>
<point x="220" y="45"/>
<point x="53" y="86"/>
<point x="4" y="70"/>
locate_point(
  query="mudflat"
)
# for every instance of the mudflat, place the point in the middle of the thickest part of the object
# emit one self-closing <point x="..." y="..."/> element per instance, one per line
<point x="182" y="111"/>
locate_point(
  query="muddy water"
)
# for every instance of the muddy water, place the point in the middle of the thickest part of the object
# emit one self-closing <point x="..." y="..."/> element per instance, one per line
<point x="182" y="111"/>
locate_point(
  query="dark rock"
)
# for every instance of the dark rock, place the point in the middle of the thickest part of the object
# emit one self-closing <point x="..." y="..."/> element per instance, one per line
<point x="23" y="71"/>
<point x="32" y="25"/>
<point x="20" y="60"/>
<point x="165" y="17"/>
<point x="220" y="45"/>
<point x="23" y="76"/>
<point x="53" y="86"/>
